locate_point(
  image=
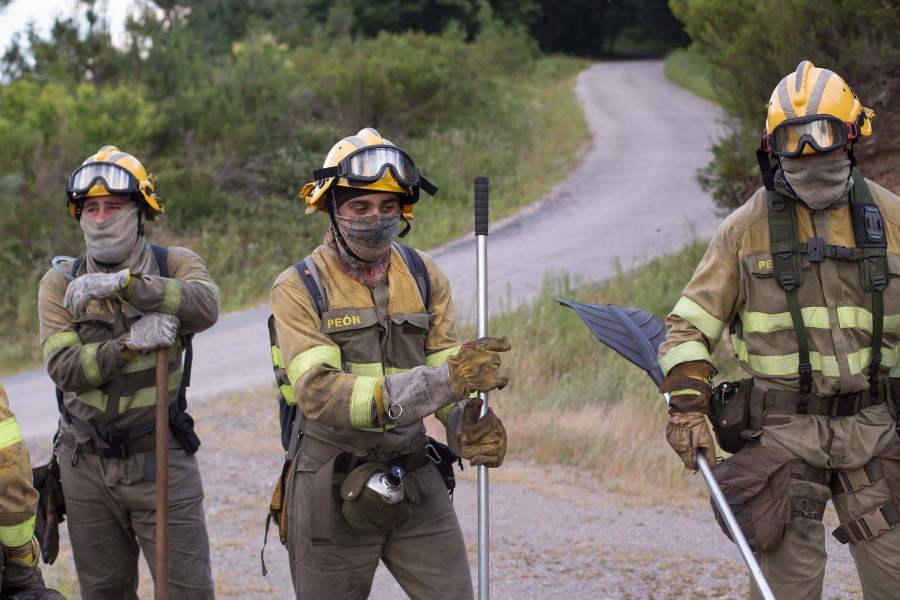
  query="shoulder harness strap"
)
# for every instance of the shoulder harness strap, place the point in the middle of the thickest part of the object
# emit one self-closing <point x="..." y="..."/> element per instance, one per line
<point x="417" y="268"/>
<point x="870" y="252"/>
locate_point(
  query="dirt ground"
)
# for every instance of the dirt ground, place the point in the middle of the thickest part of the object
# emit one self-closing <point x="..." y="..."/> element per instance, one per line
<point x="555" y="532"/>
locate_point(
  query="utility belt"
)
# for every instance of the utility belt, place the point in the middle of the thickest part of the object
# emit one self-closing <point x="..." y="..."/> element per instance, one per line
<point x="839" y="405"/>
<point x="123" y="442"/>
<point x="737" y="409"/>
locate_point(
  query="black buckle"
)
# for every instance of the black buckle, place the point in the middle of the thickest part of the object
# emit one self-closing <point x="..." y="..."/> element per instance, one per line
<point x="114" y="442"/>
<point x="845" y="405"/>
<point x="839" y="252"/>
<point x="815" y="249"/>
<point x="788" y="281"/>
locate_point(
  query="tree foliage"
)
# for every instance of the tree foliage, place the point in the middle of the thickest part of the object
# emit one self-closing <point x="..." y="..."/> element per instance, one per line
<point x="752" y="44"/>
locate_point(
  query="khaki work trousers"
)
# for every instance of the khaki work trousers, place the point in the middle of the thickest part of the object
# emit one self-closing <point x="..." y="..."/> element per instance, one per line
<point x="426" y="555"/>
<point x="796" y="569"/>
<point x="111" y="509"/>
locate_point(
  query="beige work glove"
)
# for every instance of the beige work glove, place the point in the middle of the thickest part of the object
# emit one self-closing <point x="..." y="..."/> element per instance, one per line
<point x="21" y="576"/>
<point x="83" y="289"/>
<point x="476" y="367"/>
<point x="689" y="433"/>
<point x="153" y="330"/>
<point x="481" y="440"/>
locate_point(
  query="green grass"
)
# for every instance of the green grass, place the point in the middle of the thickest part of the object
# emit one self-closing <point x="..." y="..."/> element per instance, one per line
<point x="574" y="401"/>
<point x="692" y="72"/>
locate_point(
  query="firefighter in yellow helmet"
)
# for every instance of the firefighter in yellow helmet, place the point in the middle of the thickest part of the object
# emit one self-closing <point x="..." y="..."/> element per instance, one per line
<point x="20" y="577"/>
<point x="804" y="276"/>
<point x="382" y="355"/>
<point x="102" y="317"/>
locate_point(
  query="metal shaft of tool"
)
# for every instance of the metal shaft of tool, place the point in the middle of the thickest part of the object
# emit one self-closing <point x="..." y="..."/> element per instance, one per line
<point x="481" y="233"/>
<point x="162" y="474"/>
<point x="736" y="534"/>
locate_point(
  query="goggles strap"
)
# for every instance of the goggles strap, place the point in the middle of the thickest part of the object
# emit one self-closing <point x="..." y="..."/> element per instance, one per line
<point x="331" y="203"/>
<point x="765" y="167"/>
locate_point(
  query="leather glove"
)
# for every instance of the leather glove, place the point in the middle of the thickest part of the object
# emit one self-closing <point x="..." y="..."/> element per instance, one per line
<point x="404" y="398"/>
<point x="153" y="330"/>
<point x="83" y="289"/>
<point x="688" y="433"/>
<point x="689" y="385"/>
<point x="475" y="368"/>
<point x="482" y="441"/>
<point x="22" y="579"/>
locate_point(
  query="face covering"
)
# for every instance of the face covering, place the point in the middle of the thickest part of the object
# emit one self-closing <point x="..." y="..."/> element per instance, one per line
<point x="819" y="180"/>
<point x="370" y="239"/>
<point x="110" y="241"/>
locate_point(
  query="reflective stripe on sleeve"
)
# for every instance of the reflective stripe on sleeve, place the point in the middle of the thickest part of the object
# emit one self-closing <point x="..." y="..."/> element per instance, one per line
<point x="144" y="362"/>
<point x="9" y="433"/>
<point x="303" y="362"/>
<point x="94" y="398"/>
<point x="394" y="370"/>
<point x="368" y="369"/>
<point x="439" y="358"/>
<point x="361" y="402"/>
<point x="443" y="413"/>
<point x="288" y="393"/>
<point x="17" y="535"/>
<point x="172" y="299"/>
<point x="682" y="353"/>
<point x="277" y="358"/>
<point x="63" y="339"/>
<point x="89" y="364"/>
<point x="697" y="316"/>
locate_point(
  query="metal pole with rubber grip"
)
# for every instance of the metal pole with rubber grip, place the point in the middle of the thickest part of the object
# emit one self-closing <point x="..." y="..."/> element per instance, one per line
<point x="481" y="233"/>
<point x="162" y="474"/>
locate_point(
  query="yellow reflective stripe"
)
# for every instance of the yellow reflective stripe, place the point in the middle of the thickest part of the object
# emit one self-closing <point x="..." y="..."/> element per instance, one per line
<point x="682" y="353"/>
<point x="367" y="369"/>
<point x="697" y="316"/>
<point x="439" y="358"/>
<point x="147" y="396"/>
<point x="94" y="398"/>
<point x="89" y="364"/>
<point x="63" y="339"/>
<point x="787" y="364"/>
<point x="685" y="392"/>
<point x="303" y="362"/>
<point x="394" y="370"/>
<point x="853" y="317"/>
<point x="443" y="413"/>
<point x="277" y="358"/>
<point x="208" y="284"/>
<point x="814" y="317"/>
<point x="9" y="433"/>
<point x="288" y="393"/>
<point x="145" y="362"/>
<point x="172" y="299"/>
<point x="17" y="535"/>
<point x="361" y="401"/>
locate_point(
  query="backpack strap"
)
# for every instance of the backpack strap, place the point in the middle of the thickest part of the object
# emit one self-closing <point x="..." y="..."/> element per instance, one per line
<point x="309" y="275"/>
<point x="417" y="268"/>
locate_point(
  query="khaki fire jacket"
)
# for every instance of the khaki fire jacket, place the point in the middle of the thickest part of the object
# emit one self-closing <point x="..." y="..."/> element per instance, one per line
<point x="83" y="353"/>
<point x="334" y="363"/>
<point x="734" y="286"/>
<point x="18" y="502"/>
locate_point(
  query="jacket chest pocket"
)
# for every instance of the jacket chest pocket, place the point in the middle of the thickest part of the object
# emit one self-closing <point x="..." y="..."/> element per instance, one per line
<point x="761" y="290"/>
<point x="356" y="331"/>
<point x="408" y="334"/>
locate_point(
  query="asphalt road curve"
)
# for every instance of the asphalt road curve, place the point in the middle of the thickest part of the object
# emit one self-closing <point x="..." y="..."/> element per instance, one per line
<point x="632" y="197"/>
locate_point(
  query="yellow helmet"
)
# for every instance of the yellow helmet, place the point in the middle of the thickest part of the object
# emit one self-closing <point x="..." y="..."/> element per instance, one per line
<point x="367" y="161"/>
<point x="112" y="171"/>
<point x="813" y="110"/>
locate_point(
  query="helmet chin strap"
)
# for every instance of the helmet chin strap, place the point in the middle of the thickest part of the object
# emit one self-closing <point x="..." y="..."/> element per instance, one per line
<point x="330" y="203"/>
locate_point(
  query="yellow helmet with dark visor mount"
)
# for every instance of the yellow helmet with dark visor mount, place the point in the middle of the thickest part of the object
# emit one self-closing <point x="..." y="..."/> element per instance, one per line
<point x="367" y="161"/>
<point x="112" y="171"/>
<point x="813" y="110"/>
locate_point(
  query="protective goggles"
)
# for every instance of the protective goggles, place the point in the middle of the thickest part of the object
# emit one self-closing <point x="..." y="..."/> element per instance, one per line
<point x="822" y="133"/>
<point x="369" y="164"/>
<point x="117" y="180"/>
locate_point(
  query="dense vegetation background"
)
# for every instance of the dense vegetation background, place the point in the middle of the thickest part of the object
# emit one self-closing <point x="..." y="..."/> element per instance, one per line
<point x="234" y="102"/>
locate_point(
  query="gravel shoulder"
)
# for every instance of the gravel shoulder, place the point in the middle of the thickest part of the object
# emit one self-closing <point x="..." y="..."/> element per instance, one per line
<point x="555" y="531"/>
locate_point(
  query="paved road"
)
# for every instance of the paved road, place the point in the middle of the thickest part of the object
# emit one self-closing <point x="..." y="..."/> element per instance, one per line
<point x="633" y="197"/>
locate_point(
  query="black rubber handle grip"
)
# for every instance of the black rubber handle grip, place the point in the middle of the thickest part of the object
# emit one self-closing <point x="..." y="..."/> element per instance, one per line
<point x="481" y="206"/>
